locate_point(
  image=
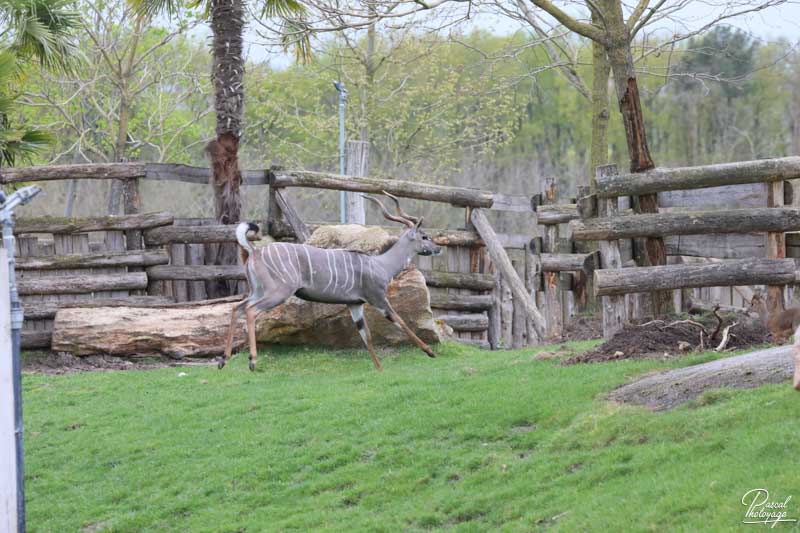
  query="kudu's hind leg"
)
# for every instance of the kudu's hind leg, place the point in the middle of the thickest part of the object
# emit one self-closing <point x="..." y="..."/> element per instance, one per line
<point x="229" y="342"/>
<point x="264" y="304"/>
<point x="394" y="318"/>
<point x="357" y="312"/>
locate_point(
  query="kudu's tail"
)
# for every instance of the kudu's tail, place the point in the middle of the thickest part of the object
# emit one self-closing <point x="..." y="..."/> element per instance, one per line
<point x="245" y="248"/>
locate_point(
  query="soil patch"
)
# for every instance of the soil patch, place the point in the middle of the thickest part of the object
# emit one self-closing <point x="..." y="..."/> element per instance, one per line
<point x="583" y="328"/>
<point x="63" y="363"/>
<point x="670" y="338"/>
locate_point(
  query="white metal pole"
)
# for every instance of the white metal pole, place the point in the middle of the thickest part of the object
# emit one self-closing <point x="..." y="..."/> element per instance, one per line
<point x="8" y="444"/>
<point x="342" y="102"/>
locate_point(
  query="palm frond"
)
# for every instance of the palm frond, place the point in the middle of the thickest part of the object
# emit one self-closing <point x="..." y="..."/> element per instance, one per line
<point x="296" y="34"/>
<point x="284" y="9"/>
<point x="150" y="8"/>
<point x="43" y="29"/>
<point x="20" y="144"/>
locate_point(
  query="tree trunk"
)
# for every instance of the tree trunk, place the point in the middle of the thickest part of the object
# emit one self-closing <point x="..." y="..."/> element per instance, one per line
<point x="600" y="114"/>
<point x="619" y="56"/>
<point x="227" y="75"/>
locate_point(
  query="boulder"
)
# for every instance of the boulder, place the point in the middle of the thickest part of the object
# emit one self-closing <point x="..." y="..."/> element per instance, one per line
<point x="299" y="322"/>
<point x="367" y="239"/>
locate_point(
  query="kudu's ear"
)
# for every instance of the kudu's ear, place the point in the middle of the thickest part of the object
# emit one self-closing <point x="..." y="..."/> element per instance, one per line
<point x="419" y="223"/>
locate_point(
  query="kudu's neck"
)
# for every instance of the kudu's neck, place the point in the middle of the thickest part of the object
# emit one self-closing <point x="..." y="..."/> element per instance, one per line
<point x="396" y="258"/>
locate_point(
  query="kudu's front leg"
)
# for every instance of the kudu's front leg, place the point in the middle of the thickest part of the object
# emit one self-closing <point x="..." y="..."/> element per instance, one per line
<point x="357" y="312"/>
<point x="394" y="318"/>
<point x="229" y="342"/>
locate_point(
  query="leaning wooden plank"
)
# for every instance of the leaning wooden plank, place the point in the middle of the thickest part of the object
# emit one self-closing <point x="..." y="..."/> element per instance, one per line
<point x="661" y="224"/>
<point x="47" y="308"/>
<point x="301" y="231"/>
<point x="671" y="388"/>
<point x="462" y="302"/>
<point x="458" y="280"/>
<point x="467" y="322"/>
<point x="550" y="214"/>
<point x="504" y="266"/>
<point x="63" y="225"/>
<point x="94" y="259"/>
<point x="720" y="274"/>
<point x="458" y="196"/>
<point x="673" y="179"/>
<point x="195" y="272"/>
<point x="64" y="172"/>
<point x="77" y="284"/>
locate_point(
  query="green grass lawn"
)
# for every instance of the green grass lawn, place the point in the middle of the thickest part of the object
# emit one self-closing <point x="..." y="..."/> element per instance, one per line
<point x="470" y="441"/>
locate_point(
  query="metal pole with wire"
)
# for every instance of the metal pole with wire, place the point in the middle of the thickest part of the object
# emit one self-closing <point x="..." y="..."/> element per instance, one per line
<point x="7" y="206"/>
<point x="342" y="103"/>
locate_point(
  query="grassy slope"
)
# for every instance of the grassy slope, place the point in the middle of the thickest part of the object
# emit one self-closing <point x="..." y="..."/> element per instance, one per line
<point x="471" y="441"/>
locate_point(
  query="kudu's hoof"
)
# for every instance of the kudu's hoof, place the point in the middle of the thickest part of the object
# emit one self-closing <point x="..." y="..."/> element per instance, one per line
<point x="431" y="355"/>
<point x="221" y="364"/>
<point x="252" y="366"/>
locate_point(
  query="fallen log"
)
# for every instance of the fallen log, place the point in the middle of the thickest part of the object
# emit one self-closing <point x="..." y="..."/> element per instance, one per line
<point x="671" y="388"/>
<point x="93" y="260"/>
<point x="63" y="225"/>
<point x="198" y="329"/>
<point x="695" y="307"/>
<point x="696" y="223"/>
<point x="82" y="283"/>
<point x="35" y="340"/>
<point x="619" y="281"/>
<point x="673" y="179"/>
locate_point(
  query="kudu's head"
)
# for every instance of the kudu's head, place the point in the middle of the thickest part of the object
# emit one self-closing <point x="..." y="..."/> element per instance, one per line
<point x="758" y="305"/>
<point x="413" y="238"/>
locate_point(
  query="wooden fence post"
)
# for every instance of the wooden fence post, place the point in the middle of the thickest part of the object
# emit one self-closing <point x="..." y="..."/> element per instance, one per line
<point x="614" y="314"/>
<point x="552" y="296"/>
<point x="357" y="165"/>
<point x="776" y="246"/>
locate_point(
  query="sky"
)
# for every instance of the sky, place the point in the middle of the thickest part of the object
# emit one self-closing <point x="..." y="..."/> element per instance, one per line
<point x="767" y="25"/>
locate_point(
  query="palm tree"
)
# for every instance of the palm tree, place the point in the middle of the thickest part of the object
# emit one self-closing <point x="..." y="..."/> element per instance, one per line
<point x="227" y="22"/>
<point x="35" y="30"/>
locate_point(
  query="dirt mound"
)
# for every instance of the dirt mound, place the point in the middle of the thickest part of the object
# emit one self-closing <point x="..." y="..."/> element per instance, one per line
<point x="62" y="363"/>
<point x="668" y="338"/>
<point x="583" y="328"/>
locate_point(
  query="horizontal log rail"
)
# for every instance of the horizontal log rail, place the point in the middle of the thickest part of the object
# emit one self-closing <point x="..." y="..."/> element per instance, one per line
<point x="457" y="196"/>
<point x="190" y="234"/>
<point x="66" y="172"/>
<point x="195" y="272"/>
<point x="93" y="260"/>
<point x="673" y="179"/>
<point x="62" y="225"/>
<point x="45" y="309"/>
<point x="459" y="280"/>
<point x="570" y="262"/>
<point x="83" y="283"/>
<point x="550" y="214"/>
<point x="695" y="223"/>
<point x="35" y="339"/>
<point x="466" y="322"/>
<point x="735" y="272"/>
<point x="462" y="302"/>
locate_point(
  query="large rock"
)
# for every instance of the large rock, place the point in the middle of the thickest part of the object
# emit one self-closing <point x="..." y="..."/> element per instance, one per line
<point x="366" y="239"/>
<point x="301" y="322"/>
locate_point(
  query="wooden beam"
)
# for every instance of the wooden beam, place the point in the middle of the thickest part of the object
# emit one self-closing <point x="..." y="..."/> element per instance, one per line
<point x="618" y="281"/>
<point x="458" y="280"/>
<point x="35" y="339"/>
<point x="720" y="246"/>
<point x="94" y="259"/>
<point x="516" y="203"/>
<point x="503" y="264"/>
<point x="195" y="272"/>
<point x="694" y="223"/>
<point x="615" y="313"/>
<point x="461" y="302"/>
<point x="673" y="179"/>
<point x="63" y="225"/>
<point x="466" y="322"/>
<point x="457" y="196"/>
<point x="83" y="283"/>
<point x="45" y="309"/>
<point x="198" y="175"/>
<point x="191" y="234"/>
<point x="715" y="198"/>
<point x="64" y="172"/>
<point x="776" y="246"/>
<point x="556" y="213"/>
<point x="570" y="262"/>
